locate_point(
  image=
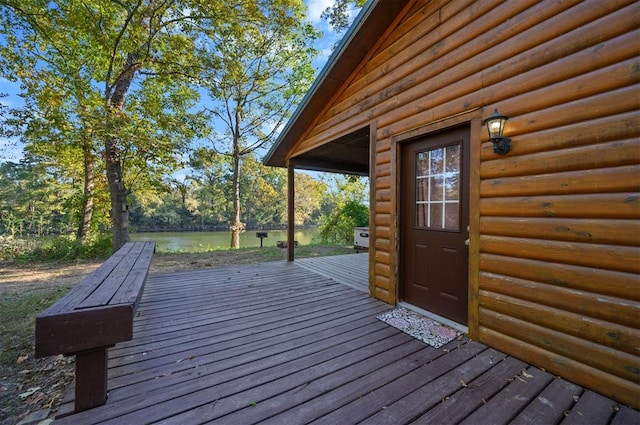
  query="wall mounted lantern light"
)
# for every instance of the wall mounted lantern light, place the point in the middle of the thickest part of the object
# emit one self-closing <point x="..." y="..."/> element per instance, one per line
<point x="495" y="126"/>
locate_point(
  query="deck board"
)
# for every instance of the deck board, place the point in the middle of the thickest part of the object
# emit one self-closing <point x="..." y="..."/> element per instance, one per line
<point x="279" y="343"/>
<point x="509" y="402"/>
<point x="472" y="392"/>
<point x="551" y="405"/>
<point x="350" y="269"/>
<point x="591" y="407"/>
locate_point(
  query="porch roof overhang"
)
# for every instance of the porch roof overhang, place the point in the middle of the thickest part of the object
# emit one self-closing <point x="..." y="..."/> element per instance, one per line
<point x="344" y="154"/>
<point x="347" y="155"/>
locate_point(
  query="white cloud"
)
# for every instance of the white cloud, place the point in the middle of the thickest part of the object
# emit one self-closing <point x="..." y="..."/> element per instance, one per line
<point x="316" y="7"/>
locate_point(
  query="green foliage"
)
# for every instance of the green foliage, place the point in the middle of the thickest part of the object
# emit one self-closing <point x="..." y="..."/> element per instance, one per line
<point x="6" y="118"/>
<point x="98" y="247"/>
<point x="343" y="189"/>
<point x="202" y="201"/>
<point x="338" y="13"/>
<point x="54" y="248"/>
<point x="264" y="71"/>
<point x="120" y="81"/>
<point x="33" y="200"/>
<point x="338" y="227"/>
<point x="343" y="209"/>
<point x="210" y="186"/>
<point x="128" y="76"/>
<point x="63" y="248"/>
<point x="11" y="247"/>
<point x="78" y="62"/>
<point x="260" y="193"/>
<point x="308" y="199"/>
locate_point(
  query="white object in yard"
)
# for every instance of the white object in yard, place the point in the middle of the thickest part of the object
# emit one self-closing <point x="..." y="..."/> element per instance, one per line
<point x="361" y="237"/>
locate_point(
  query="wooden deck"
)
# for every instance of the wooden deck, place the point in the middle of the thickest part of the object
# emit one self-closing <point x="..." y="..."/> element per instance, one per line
<point x="276" y="343"/>
<point x="351" y="269"/>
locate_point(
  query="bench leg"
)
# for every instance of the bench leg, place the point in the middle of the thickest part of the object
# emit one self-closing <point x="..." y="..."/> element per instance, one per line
<point x="91" y="379"/>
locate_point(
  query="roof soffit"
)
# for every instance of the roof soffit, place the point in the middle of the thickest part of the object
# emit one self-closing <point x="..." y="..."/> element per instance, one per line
<point x="362" y="37"/>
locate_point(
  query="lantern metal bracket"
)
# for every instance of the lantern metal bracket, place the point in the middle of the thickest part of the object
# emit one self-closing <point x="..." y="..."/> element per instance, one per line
<point x="501" y="145"/>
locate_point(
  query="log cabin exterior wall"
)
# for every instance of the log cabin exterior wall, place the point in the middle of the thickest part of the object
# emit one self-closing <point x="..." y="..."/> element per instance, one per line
<point x="555" y="224"/>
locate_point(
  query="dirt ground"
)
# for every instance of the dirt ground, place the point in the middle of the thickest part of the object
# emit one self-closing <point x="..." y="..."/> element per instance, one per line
<point x="19" y="278"/>
<point x="34" y="387"/>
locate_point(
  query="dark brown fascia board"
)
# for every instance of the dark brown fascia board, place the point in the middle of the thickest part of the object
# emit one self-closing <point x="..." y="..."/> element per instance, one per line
<point x="368" y="27"/>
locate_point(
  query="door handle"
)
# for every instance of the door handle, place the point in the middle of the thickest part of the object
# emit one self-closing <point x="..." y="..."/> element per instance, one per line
<point x="466" y="242"/>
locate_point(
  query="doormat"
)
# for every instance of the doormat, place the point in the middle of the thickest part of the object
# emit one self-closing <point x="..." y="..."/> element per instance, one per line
<point x="420" y="327"/>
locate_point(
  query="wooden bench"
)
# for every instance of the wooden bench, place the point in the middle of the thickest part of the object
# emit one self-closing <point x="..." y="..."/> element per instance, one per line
<point x="95" y="315"/>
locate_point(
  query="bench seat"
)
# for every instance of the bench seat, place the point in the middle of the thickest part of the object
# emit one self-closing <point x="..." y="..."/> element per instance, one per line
<point x="95" y="315"/>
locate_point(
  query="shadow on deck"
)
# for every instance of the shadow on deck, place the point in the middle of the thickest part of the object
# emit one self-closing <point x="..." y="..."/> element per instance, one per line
<point x="278" y="343"/>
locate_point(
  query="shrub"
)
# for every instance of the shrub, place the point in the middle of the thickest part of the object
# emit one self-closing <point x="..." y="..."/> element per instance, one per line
<point x="99" y="247"/>
<point x="11" y="247"/>
<point x="58" y="248"/>
<point x="338" y="227"/>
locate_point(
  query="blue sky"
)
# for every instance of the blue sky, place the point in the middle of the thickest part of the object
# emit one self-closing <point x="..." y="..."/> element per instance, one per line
<point x="11" y="150"/>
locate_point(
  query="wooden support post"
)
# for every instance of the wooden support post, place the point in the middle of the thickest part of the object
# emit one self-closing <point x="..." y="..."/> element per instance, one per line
<point x="373" y="137"/>
<point x="291" y="208"/>
<point x="91" y="379"/>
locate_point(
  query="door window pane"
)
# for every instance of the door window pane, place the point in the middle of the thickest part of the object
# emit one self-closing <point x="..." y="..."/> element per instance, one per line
<point x="436" y="161"/>
<point x="452" y="215"/>
<point x="423" y="190"/>
<point x="422" y="164"/>
<point x="453" y="157"/>
<point x="435" y="215"/>
<point x="438" y="188"/>
<point x="452" y="187"/>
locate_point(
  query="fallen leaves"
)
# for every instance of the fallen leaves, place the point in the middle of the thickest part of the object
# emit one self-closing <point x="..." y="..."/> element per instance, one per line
<point x="191" y="357"/>
<point x="29" y="392"/>
<point x="37" y="384"/>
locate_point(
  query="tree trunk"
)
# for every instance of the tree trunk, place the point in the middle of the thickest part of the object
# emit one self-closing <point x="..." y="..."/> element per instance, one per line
<point x="117" y="189"/>
<point x="118" y="192"/>
<point x="86" y="211"/>
<point x="237" y="226"/>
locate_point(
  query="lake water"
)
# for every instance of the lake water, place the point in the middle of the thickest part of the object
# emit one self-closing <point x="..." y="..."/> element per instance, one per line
<point x="206" y="241"/>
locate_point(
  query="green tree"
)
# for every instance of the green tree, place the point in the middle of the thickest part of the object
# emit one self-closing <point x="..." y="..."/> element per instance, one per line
<point x="308" y="199"/>
<point x="6" y="116"/>
<point x="341" y="189"/>
<point x="56" y="126"/>
<point x="338" y="227"/>
<point x="33" y="199"/>
<point x="145" y="51"/>
<point x="265" y="70"/>
<point x="344" y="208"/>
<point x="261" y="190"/>
<point x="211" y="178"/>
<point x="338" y="13"/>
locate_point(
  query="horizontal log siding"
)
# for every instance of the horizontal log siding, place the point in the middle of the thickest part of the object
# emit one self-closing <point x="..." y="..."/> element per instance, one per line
<point x="559" y="216"/>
